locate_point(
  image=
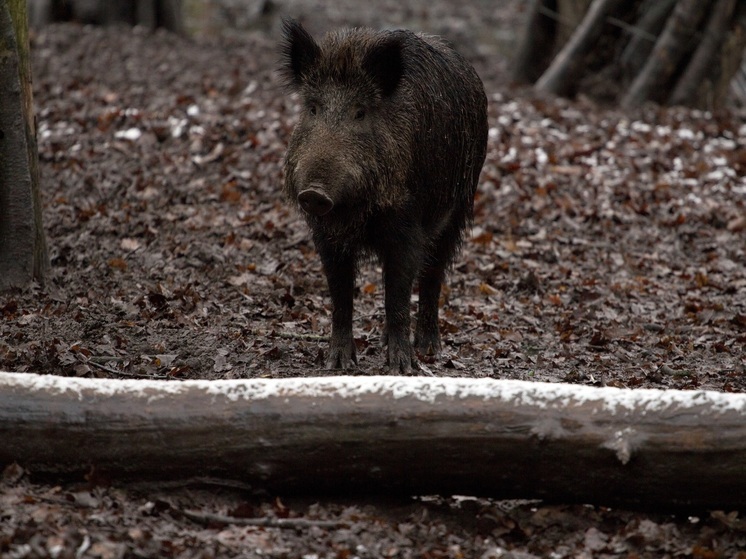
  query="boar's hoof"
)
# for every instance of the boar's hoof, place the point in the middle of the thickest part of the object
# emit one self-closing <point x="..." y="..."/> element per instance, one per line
<point x="315" y="202"/>
<point x="427" y="343"/>
<point x="341" y="356"/>
<point x="401" y="360"/>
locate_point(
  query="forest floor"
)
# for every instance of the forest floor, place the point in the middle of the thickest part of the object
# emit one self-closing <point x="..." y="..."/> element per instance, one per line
<point x="608" y="249"/>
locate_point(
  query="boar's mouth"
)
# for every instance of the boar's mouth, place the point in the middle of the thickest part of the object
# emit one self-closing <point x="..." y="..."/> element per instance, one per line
<point x="315" y="201"/>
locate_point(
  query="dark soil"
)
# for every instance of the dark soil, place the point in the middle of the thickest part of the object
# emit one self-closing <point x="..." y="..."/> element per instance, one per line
<point x="608" y="249"/>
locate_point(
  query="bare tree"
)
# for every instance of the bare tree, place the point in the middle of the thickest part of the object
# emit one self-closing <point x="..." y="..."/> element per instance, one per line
<point x="23" y="250"/>
<point x="666" y="51"/>
<point x="148" y="13"/>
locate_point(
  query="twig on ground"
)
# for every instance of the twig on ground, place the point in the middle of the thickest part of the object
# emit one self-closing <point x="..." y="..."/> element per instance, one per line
<point x="191" y="482"/>
<point x="107" y="368"/>
<point x="301" y="336"/>
<point x="210" y="518"/>
<point x="123" y="373"/>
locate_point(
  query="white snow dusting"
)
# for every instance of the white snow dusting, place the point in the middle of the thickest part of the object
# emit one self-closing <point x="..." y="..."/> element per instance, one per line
<point x="426" y="389"/>
<point x="131" y="134"/>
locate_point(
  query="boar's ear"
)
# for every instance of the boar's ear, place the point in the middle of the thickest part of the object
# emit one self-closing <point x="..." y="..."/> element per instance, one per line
<point x="299" y="52"/>
<point x="384" y="62"/>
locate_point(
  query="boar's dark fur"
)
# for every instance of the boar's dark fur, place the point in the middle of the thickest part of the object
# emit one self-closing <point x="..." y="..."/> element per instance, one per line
<point x="384" y="161"/>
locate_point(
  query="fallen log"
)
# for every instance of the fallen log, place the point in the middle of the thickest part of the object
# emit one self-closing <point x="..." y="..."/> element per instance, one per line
<point x="388" y="435"/>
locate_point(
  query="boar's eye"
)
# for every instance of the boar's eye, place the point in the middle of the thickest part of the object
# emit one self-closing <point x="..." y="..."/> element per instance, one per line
<point x="313" y="109"/>
<point x="360" y="114"/>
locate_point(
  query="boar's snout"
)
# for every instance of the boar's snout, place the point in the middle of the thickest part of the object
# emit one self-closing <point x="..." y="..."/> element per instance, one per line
<point x="315" y="201"/>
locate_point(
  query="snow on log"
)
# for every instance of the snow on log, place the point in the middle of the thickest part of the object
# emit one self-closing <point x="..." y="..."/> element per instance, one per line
<point x="378" y="435"/>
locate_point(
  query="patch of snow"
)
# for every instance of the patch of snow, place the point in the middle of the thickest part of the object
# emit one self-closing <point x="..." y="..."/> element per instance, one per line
<point x="425" y="389"/>
<point x="131" y="134"/>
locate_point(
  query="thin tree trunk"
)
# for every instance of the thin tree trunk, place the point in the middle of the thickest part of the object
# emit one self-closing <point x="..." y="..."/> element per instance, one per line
<point x="536" y="43"/>
<point x="566" y="66"/>
<point x="146" y="13"/>
<point x="171" y="16"/>
<point x="701" y="63"/>
<point x="671" y="47"/>
<point x="23" y="252"/>
<point x="648" y="29"/>
<point x="732" y="57"/>
<point x="388" y="435"/>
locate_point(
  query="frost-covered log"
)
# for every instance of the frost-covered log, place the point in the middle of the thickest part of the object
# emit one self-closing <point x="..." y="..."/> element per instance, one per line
<point x="378" y="435"/>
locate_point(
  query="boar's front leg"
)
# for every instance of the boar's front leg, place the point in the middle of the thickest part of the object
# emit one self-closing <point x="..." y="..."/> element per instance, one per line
<point x="340" y="277"/>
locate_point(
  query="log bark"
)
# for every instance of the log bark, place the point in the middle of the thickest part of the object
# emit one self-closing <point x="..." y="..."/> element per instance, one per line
<point x="378" y="435"/>
<point x="23" y="251"/>
<point x="668" y="52"/>
<point x="565" y="68"/>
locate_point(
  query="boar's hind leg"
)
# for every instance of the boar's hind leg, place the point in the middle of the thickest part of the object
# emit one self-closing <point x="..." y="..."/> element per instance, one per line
<point x="427" y="336"/>
<point x="399" y="271"/>
<point x="340" y="276"/>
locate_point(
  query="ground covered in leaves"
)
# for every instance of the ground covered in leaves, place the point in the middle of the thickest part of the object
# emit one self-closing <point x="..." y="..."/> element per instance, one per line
<point x="608" y="249"/>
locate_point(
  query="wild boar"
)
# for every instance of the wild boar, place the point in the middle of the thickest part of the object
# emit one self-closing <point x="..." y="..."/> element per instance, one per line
<point x="384" y="162"/>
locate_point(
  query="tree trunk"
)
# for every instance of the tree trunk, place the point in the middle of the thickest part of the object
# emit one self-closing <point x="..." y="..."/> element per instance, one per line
<point x="566" y="66"/>
<point x="732" y="60"/>
<point x="699" y="66"/>
<point x="675" y="40"/>
<point x="23" y="251"/>
<point x="148" y="13"/>
<point x="170" y="16"/>
<point x="379" y="435"/>
<point x="646" y="33"/>
<point x="666" y="51"/>
<point x="534" y="52"/>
